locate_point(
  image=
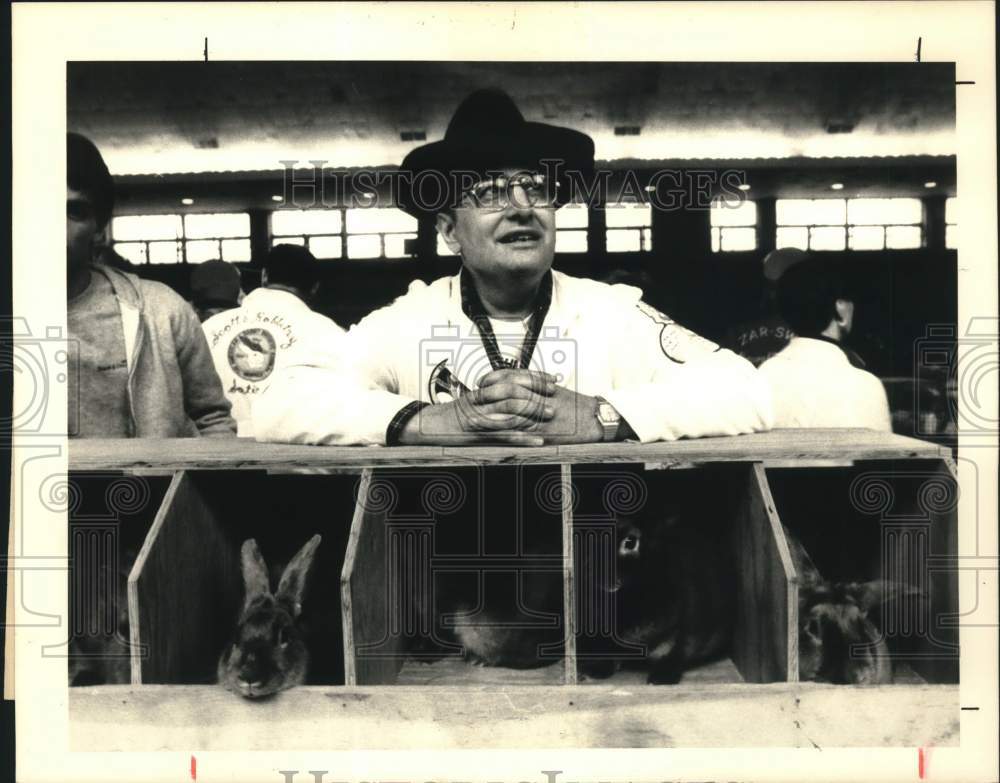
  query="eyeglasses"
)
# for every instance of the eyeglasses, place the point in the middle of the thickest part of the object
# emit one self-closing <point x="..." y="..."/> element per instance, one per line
<point x="498" y="193"/>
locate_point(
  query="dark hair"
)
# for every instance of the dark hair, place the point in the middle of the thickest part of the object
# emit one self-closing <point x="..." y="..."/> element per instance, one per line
<point x="87" y="172"/>
<point x="292" y="265"/>
<point x="808" y="294"/>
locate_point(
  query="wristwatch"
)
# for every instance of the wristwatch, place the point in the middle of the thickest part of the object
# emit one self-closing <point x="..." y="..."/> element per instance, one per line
<point x="608" y="418"/>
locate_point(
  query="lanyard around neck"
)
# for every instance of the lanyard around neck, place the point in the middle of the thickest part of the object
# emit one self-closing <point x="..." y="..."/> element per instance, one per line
<point x="472" y="306"/>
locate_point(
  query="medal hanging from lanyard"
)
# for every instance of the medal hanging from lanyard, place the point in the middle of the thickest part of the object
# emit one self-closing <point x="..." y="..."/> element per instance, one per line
<point x="472" y="306"/>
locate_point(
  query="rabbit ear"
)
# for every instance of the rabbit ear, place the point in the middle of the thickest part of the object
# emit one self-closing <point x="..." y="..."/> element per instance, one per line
<point x="291" y="588"/>
<point x="880" y="591"/>
<point x="254" y="571"/>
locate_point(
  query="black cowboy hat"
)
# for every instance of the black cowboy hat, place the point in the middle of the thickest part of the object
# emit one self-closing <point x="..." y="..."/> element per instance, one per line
<point x="489" y="133"/>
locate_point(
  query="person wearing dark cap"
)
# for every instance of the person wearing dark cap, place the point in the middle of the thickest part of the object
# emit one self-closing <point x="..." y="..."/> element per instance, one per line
<point x="817" y="381"/>
<point x="215" y="288"/>
<point x="760" y="338"/>
<point x="272" y="328"/>
<point x="142" y="367"/>
<point x="509" y="350"/>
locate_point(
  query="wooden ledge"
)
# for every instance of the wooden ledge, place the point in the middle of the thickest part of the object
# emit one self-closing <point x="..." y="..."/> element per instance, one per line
<point x="206" y="718"/>
<point x="803" y="448"/>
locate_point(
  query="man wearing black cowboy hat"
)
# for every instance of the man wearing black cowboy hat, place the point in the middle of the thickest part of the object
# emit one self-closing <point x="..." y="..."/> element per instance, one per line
<point x="508" y="350"/>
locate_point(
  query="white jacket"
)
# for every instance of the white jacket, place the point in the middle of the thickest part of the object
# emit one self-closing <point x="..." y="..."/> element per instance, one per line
<point x="252" y="344"/>
<point x="814" y="385"/>
<point x="666" y="382"/>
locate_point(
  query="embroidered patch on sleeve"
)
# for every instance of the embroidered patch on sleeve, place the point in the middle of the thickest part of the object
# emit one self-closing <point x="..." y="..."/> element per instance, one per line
<point x="677" y="343"/>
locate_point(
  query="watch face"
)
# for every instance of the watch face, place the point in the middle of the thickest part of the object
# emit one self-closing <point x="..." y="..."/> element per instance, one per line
<point x="607" y="413"/>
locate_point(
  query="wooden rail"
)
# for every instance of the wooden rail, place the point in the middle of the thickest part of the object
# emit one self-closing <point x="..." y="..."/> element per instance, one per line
<point x="803" y="448"/>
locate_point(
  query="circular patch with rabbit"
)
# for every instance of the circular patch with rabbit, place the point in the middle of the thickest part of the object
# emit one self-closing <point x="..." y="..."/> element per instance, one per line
<point x="251" y="354"/>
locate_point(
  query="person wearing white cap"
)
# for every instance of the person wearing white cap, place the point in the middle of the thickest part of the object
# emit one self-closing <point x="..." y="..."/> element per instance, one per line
<point x="816" y="381"/>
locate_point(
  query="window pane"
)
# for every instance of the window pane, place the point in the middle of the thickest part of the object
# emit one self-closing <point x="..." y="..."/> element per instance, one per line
<point x="731" y="212"/>
<point x="146" y="227"/>
<point x="623" y="240"/>
<point x="951" y="237"/>
<point x="806" y="212"/>
<point x="364" y="246"/>
<point x="827" y="238"/>
<point x="951" y="210"/>
<point x="366" y="221"/>
<point x="881" y="211"/>
<point x="902" y="237"/>
<point x="395" y="245"/>
<point x="737" y="239"/>
<point x="715" y="239"/>
<point x="325" y="247"/>
<point x="235" y="249"/>
<point x="572" y="216"/>
<point x="866" y="237"/>
<point x="571" y="241"/>
<point x="287" y="241"/>
<point x="305" y="221"/>
<point x="219" y="224"/>
<point x="202" y="250"/>
<point x="442" y="248"/>
<point x="164" y="252"/>
<point x="792" y="237"/>
<point x="628" y="214"/>
<point x="131" y="251"/>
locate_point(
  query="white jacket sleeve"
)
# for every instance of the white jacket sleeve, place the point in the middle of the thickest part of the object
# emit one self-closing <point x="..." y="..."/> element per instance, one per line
<point x="334" y="393"/>
<point x="669" y="383"/>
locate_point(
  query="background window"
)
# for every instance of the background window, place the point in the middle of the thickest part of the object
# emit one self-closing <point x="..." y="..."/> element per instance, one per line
<point x="571" y="228"/>
<point x="951" y="223"/>
<point x="628" y="227"/>
<point x="734" y="225"/>
<point x="378" y="232"/>
<point x="177" y="239"/>
<point x="317" y="229"/>
<point x="855" y="224"/>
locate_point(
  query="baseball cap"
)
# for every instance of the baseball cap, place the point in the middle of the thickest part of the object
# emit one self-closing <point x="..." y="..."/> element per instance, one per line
<point x="779" y="261"/>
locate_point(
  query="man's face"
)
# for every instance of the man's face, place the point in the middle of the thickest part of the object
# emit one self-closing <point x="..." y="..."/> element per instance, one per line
<point x="81" y="229"/>
<point x="515" y="239"/>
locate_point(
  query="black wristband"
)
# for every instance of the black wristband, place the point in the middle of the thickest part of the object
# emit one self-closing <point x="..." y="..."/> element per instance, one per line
<point x="395" y="429"/>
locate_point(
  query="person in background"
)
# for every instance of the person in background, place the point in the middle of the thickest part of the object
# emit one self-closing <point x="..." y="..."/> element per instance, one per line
<point x="816" y="381"/>
<point x="509" y="350"/>
<point x="762" y="337"/>
<point x="270" y="329"/>
<point x="215" y="288"/>
<point x="140" y="366"/>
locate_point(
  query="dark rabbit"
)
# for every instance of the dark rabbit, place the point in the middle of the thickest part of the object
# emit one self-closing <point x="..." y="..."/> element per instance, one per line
<point x="103" y="658"/>
<point x="671" y="593"/>
<point x="269" y="652"/>
<point x="838" y="642"/>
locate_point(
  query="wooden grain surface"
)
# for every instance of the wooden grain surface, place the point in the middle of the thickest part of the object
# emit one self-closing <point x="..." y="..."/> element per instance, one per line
<point x="569" y="576"/>
<point x="800" y="447"/>
<point x="204" y="718"/>
<point x="765" y="640"/>
<point x="373" y="654"/>
<point x="183" y="589"/>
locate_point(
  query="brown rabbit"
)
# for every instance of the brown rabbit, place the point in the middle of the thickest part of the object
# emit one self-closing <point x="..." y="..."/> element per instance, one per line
<point x="269" y="651"/>
<point x="838" y="643"/>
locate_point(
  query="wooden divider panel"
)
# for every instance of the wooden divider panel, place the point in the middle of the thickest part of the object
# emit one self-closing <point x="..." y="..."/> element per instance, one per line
<point x="373" y="655"/>
<point x="765" y="641"/>
<point x="183" y="590"/>
<point x="569" y="575"/>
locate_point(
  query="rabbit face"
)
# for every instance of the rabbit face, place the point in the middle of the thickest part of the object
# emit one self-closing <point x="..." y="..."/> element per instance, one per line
<point x="838" y="643"/>
<point x="268" y="653"/>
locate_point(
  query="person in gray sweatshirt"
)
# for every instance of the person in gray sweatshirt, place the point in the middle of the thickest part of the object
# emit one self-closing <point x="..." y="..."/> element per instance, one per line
<point x="139" y="363"/>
